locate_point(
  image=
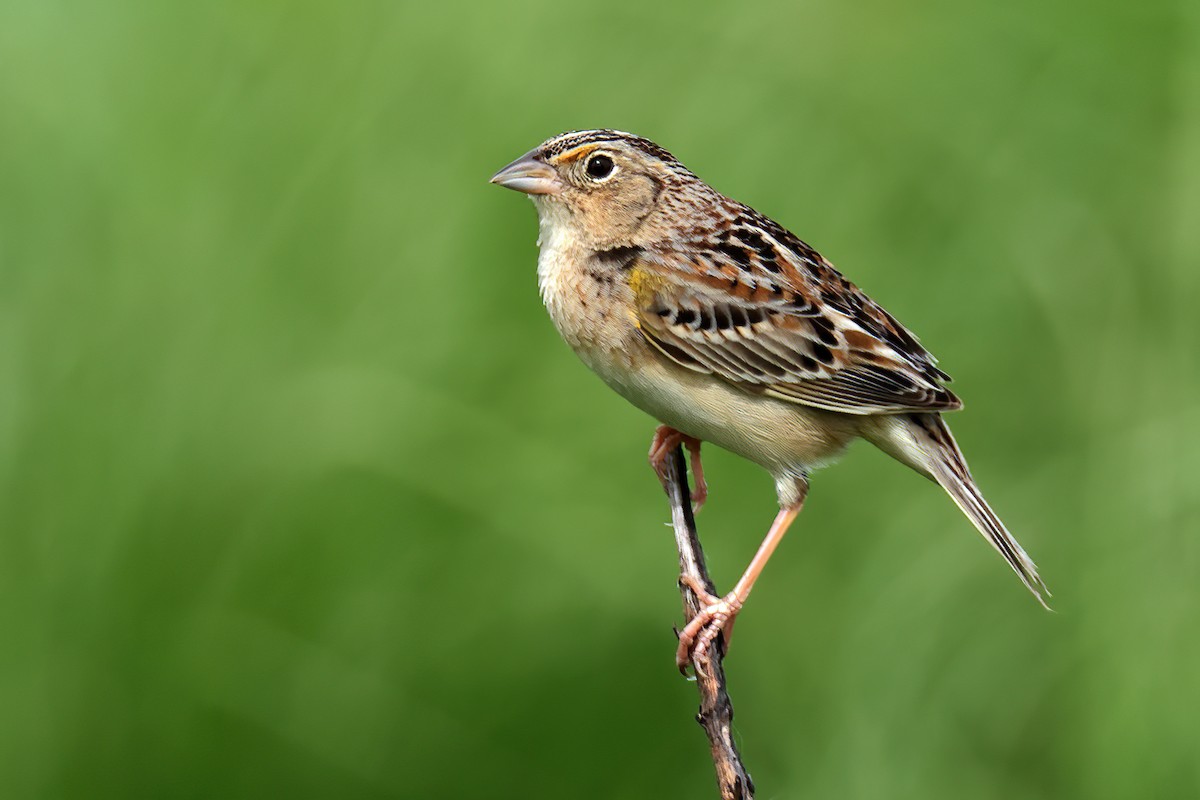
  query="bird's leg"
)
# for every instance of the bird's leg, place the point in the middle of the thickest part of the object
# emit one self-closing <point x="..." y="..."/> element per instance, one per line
<point x="665" y="440"/>
<point x="717" y="614"/>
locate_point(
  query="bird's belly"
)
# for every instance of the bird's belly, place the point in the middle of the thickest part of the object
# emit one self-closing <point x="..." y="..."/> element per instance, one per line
<point x="783" y="437"/>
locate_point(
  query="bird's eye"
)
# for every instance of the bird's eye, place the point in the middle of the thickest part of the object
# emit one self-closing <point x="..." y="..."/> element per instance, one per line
<point x="599" y="166"/>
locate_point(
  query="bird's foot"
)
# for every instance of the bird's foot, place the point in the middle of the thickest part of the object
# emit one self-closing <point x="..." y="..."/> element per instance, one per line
<point x="715" y="618"/>
<point x="665" y="440"/>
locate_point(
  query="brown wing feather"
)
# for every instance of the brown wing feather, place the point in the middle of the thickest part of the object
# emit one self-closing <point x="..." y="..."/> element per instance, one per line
<point x="752" y="304"/>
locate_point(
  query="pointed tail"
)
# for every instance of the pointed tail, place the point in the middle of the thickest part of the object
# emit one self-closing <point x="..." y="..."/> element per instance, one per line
<point x="944" y="462"/>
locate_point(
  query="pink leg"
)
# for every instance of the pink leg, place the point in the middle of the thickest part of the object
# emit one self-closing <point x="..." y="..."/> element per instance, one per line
<point x="666" y="439"/>
<point x="717" y="615"/>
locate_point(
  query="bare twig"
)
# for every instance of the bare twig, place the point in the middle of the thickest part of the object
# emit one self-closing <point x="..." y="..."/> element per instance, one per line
<point x="716" y="710"/>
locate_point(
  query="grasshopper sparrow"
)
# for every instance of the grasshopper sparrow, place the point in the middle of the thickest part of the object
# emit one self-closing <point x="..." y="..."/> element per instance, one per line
<point x="727" y="328"/>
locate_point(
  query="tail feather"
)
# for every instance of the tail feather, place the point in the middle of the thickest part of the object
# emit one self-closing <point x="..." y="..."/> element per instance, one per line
<point x="937" y="455"/>
<point x="967" y="497"/>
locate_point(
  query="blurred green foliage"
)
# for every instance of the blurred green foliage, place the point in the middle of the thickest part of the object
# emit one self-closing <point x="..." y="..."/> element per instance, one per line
<point x="301" y="496"/>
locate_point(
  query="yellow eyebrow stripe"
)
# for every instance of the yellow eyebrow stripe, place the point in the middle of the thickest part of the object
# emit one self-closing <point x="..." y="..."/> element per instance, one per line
<point x="577" y="153"/>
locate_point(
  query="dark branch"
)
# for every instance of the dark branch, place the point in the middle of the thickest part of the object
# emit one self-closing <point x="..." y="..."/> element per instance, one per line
<point x="716" y="710"/>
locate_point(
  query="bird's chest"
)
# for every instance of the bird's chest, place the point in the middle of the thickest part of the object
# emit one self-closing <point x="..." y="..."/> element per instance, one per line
<point x="588" y="303"/>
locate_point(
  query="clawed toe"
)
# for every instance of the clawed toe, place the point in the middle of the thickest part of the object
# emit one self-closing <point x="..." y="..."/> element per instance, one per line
<point x="666" y="439"/>
<point x="700" y="493"/>
<point x="715" y="618"/>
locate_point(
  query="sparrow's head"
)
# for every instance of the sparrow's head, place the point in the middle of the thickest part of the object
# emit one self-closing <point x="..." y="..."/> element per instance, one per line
<point x="611" y="188"/>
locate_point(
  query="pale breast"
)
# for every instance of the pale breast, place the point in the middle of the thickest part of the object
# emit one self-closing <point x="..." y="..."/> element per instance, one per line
<point x="593" y="308"/>
<point x="592" y="311"/>
<point x="587" y="303"/>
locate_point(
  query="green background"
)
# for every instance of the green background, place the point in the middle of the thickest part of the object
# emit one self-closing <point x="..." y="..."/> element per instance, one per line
<point x="301" y="495"/>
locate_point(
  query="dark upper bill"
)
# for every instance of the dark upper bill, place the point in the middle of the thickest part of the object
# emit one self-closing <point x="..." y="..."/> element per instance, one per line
<point x="529" y="174"/>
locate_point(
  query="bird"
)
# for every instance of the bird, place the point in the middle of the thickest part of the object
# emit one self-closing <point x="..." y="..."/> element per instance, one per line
<point x="727" y="328"/>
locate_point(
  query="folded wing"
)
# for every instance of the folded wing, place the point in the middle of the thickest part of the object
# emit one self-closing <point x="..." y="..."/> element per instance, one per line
<point x="763" y="311"/>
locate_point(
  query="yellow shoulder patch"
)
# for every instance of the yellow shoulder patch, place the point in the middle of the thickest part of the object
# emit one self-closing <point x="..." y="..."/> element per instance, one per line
<point x="644" y="283"/>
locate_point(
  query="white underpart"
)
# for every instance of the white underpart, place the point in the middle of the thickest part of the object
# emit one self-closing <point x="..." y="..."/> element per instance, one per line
<point x="556" y="248"/>
<point x="786" y="438"/>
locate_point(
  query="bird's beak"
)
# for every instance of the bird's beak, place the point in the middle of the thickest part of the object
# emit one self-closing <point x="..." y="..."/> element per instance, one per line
<point x="529" y="174"/>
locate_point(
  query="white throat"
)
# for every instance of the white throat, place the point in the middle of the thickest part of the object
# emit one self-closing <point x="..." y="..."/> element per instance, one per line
<point x="558" y="247"/>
